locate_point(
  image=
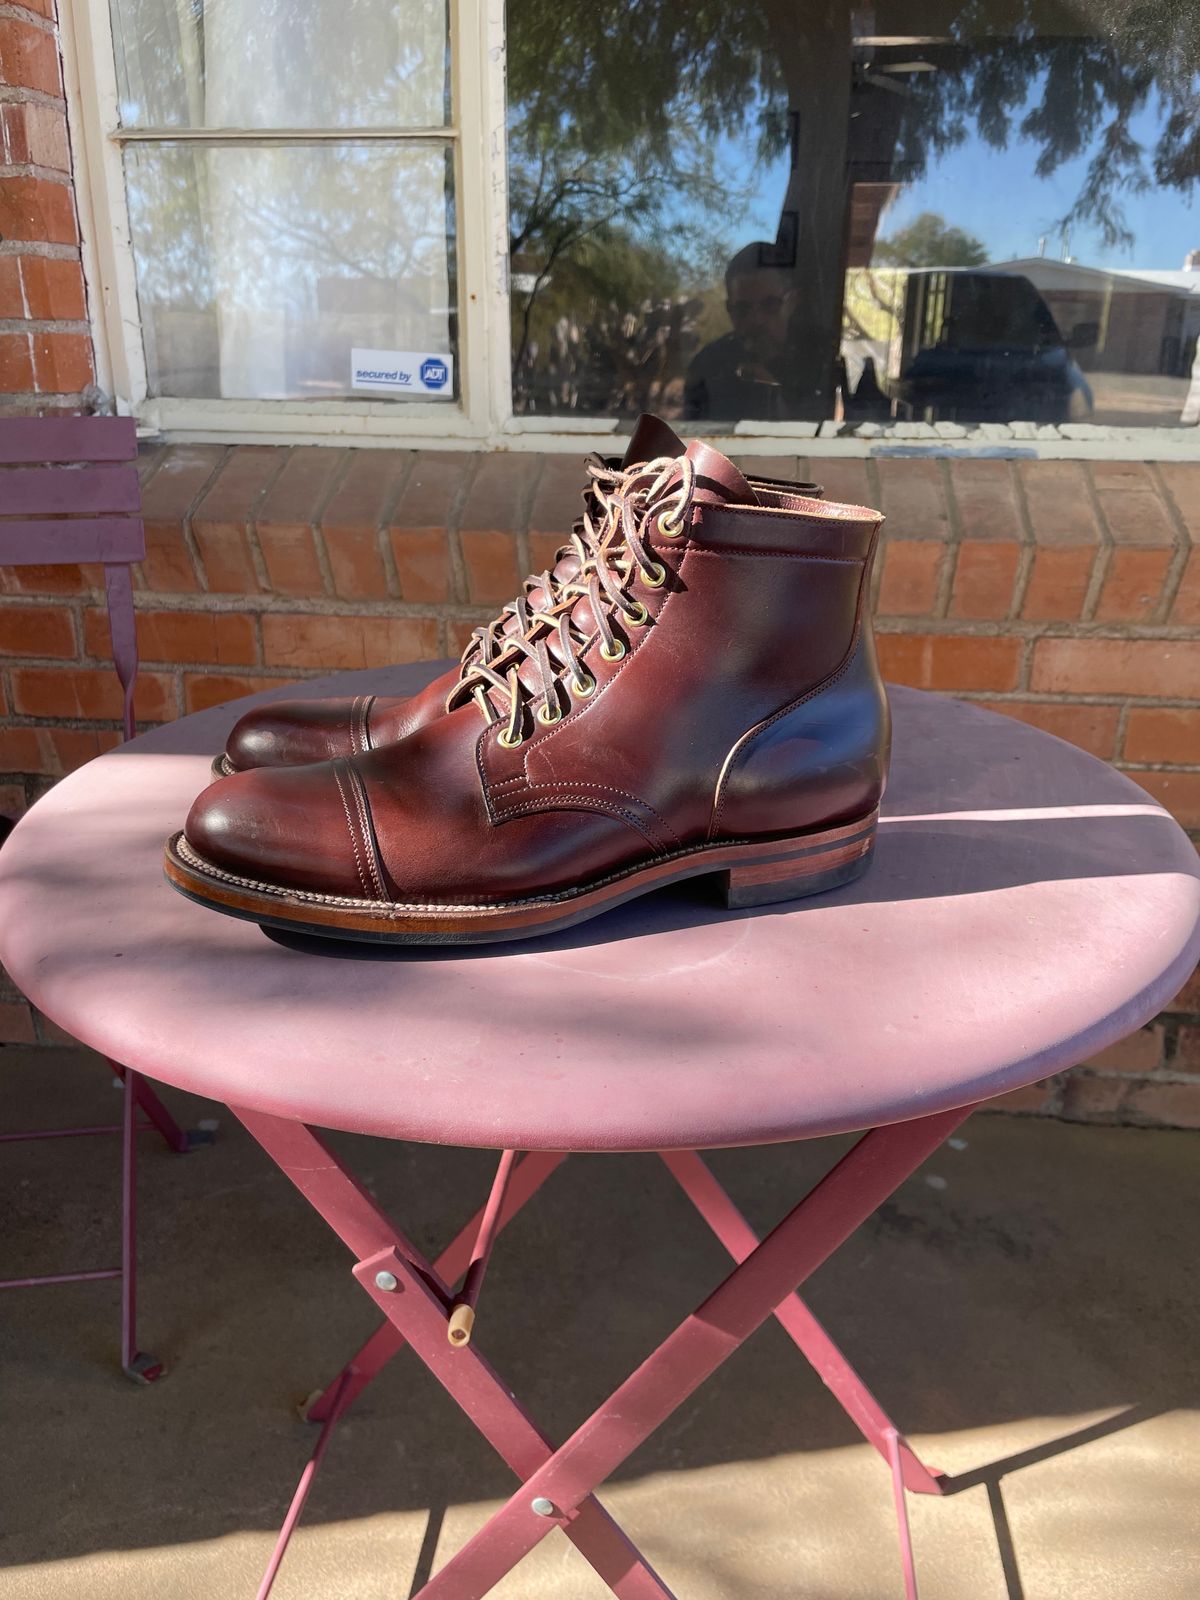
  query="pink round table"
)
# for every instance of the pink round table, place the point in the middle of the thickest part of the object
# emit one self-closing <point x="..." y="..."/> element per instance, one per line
<point x="1026" y="907"/>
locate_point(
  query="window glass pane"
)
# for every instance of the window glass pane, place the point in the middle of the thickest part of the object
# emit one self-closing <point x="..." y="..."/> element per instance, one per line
<point x="281" y="63"/>
<point x="262" y="271"/>
<point x="952" y="212"/>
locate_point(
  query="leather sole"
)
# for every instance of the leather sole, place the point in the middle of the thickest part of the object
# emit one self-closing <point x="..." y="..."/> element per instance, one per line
<point x="757" y="873"/>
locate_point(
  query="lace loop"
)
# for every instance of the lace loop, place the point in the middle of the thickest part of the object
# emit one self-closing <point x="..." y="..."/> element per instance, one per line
<point x="513" y="667"/>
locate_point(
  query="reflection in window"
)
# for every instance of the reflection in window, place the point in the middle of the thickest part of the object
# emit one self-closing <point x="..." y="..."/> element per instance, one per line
<point x="975" y="212"/>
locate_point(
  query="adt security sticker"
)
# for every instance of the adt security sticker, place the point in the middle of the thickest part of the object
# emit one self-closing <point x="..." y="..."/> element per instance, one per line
<point x="402" y="372"/>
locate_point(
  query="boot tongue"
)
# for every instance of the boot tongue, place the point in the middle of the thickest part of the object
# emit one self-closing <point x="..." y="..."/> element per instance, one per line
<point x="650" y="440"/>
<point x="717" y="482"/>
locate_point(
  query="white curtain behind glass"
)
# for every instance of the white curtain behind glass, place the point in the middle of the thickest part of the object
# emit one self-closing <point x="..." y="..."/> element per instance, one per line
<point x="316" y="249"/>
<point x="260" y="268"/>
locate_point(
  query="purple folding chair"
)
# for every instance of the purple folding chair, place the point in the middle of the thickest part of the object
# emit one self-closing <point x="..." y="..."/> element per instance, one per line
<point x="80" y="504"/>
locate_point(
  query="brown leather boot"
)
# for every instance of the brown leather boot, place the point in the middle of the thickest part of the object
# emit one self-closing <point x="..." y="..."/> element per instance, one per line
<point x="701" y="698"/>
<point x="290" y="732"/>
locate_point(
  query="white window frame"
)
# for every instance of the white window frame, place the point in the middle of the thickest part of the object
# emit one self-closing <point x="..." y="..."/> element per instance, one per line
<point x="484" y="416"/>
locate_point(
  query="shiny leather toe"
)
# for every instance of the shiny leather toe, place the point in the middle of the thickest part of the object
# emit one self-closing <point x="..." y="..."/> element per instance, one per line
<point x="288" y="733"/>
<point x="291" y="827"/>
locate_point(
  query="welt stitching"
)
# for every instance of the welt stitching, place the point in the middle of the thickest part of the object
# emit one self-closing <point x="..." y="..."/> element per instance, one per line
<point x="392" y="908"/>
<point x="362" y="877"/>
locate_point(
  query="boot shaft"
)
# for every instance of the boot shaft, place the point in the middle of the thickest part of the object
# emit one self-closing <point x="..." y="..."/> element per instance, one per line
<point x="713" y="718"/>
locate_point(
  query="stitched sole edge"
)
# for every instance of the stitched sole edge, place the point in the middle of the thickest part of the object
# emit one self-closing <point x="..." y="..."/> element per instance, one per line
<point x="805" y="864"/>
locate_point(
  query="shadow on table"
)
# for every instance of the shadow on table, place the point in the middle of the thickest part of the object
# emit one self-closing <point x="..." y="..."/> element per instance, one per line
<point x="916" y="858"/>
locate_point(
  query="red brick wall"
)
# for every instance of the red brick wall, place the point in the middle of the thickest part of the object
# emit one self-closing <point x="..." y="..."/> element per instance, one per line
<point x="46" y="358"/>
<point x="1064" y="594"/>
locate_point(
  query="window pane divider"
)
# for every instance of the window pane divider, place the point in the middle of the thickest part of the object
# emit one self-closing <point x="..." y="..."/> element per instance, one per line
<point x="281" y="135"/>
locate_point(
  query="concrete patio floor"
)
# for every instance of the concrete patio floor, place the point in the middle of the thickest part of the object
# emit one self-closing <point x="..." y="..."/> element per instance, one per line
<point x="1027" y="1306"/>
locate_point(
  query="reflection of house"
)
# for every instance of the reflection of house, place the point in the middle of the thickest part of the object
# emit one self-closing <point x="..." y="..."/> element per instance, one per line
<point x="1142" y="321"/>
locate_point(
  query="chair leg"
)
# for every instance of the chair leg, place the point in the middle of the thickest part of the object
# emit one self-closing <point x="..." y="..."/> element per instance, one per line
<point x="180" y="1140"/>
<point x="138" y="1366"/>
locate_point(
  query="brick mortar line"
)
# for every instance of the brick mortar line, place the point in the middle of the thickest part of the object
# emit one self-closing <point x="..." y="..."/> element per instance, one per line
<point x="1026" y="544"/>
<point x="60" y="398"/>
<point x="1122" y="729"/>
<point x="316" y="527"/>
<point x="1169" y="588"/>
<point x="1057" y="697"/>
<point x="1153" y="766"/>
<point x="34" y="18"/>
<point x="875" y="490"/>
<point x="257" y="559"/>
<point x="32" y="325"/>
<point x="383" y="531"/>
<point x="42" y="248"/>
<point x="1104" y="556"/>
<point x="185" y="521"/>
<point x="148" y="463"/>
<point x="267" y="602"/>
<point x="240" y="669"/>
<point x="315" y="530"/>
<point x="34" y="169"/>
<point x="524" y="515"/>
<point x="15" y="94"/>
<point x="458" y="563"/>
<point x="948" y="561"/>
<point x="1114" y="632"/>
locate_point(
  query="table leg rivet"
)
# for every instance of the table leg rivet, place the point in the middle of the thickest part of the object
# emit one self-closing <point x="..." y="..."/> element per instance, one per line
<point x="543" y="1507"/>
<point x="385" y="1280"/>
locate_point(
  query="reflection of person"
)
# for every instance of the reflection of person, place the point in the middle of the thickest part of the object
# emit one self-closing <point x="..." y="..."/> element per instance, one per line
<point x="742" y="374"/>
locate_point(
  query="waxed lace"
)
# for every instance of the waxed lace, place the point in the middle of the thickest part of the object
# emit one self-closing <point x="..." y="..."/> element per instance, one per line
<point x="612" y="550"/>
<point x="487" y="641"/>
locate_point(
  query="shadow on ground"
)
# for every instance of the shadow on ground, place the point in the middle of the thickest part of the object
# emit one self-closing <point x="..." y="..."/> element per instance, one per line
<point x="1030" y="1287"/>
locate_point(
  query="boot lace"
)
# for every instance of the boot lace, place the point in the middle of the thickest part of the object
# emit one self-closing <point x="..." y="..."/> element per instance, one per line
<point x="487" y="641"/>
<point x="611" y="547"/>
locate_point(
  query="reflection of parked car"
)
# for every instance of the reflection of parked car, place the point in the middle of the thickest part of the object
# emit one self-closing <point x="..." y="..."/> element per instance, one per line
<point x="980" y="346"/>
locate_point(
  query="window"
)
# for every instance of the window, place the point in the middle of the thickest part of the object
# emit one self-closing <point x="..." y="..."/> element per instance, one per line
<point x="753" y="216"/>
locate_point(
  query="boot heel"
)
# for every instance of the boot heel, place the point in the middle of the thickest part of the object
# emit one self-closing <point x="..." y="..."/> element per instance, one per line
<point x="825" y="862"/>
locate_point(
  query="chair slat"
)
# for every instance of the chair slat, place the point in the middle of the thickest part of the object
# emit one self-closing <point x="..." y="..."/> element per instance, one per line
<point x="35" y="544"/>
<point x="68" y="490"/>
<point x="33" y="439"/>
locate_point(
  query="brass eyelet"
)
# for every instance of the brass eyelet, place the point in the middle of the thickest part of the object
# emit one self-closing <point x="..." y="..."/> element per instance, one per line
<point x="669" y="529"/>
<point x="584" y="687"/>
<point x="509" y="744"/>
<point x="548" y="715"/>
<point x="616" y="654"/>
<point x="637" y="616"/>
<point x="655" y="578"/>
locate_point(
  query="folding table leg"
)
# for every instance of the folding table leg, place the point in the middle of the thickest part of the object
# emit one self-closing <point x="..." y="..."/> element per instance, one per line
<point x="387" y="1340"/>
<point x="907" y="1561"/>
<point x="417" y="1301"/>
<point x="860" y="1182"/>
<point x="731" y="1228"/>
<point x="335" y="1400"/>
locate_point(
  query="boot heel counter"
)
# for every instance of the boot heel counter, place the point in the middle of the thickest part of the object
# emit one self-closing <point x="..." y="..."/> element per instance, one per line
<point x="822" y="761"/>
